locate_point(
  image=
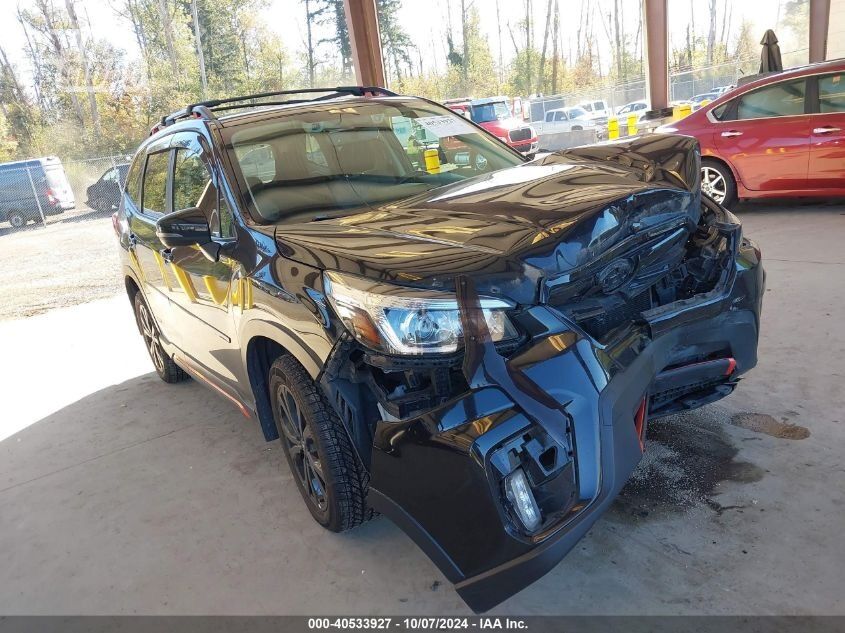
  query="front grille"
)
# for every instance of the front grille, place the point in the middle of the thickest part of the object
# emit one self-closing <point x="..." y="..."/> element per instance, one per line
<point x="599" y="325"/>
<point x="522" y="134"/>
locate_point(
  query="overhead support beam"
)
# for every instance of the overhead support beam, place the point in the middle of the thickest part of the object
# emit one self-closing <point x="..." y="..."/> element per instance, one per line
<point x="657" y="53"/>
<point x="362" y="22"/>
<point x="819" y="23"/>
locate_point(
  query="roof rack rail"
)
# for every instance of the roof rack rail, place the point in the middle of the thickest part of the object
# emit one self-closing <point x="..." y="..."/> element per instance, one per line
<point x="204" y="109"/>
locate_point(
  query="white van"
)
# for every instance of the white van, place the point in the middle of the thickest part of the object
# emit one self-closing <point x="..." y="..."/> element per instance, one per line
<point x="597" y="109"/>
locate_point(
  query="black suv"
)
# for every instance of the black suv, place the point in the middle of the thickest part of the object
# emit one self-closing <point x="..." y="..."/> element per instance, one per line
<point x="470" y="348"/>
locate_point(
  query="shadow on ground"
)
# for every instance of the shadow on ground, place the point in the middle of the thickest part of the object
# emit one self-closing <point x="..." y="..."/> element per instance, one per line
<point x="161" y="491"/>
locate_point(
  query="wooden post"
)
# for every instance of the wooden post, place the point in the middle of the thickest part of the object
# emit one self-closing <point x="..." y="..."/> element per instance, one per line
<point x="362" y="21"/>
<point x="657" y="53"/>
<point x="819" y="22"/>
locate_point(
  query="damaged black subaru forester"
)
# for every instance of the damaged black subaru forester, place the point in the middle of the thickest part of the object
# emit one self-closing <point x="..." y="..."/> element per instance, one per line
<point x="470" y="343"/>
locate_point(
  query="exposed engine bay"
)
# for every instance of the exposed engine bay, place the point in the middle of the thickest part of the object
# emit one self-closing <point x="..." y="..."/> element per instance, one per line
<point x="669" y="263"/>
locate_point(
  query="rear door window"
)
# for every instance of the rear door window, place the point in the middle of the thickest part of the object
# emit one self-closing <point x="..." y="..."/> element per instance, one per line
<point x="781" y="99"/>
<point x="832" y="93"/>
<point x="155" y="183"/>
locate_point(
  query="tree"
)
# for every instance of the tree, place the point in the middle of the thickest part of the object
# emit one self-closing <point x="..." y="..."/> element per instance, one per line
<point x="200" y="55"/>
<point x="83" y="54"/>
<point x="45" y="20"/>
<point x="167" y="30"/>
<point x="541" y="72"/>
<point x="395" y="43"/>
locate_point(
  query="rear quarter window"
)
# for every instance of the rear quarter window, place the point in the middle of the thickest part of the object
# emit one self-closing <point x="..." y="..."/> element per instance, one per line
<point x="133" y="180"/>
<point x="721" y="112"/>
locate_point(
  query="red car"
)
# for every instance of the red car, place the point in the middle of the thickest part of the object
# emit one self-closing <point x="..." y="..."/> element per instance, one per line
<point x="780" y="136"/>
<point x="494" y="115"/>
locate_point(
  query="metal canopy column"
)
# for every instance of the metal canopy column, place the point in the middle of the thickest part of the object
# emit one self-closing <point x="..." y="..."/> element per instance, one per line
<point x="819" y="21"/>
<point x="657" y="53"/>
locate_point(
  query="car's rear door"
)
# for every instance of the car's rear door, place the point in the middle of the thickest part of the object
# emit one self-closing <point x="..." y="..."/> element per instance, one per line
<point x="827" y="149"/>
<point x="766" y="137"/>
<point x="144" y="243"/>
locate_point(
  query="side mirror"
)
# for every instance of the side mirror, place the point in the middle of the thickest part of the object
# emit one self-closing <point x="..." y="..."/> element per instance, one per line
<point x="183" y="228"/>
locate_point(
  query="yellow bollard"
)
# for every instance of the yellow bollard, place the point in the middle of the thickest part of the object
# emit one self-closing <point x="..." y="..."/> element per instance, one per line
<point x="432" y="161"/>
<point x="632" y="124"/>
<point x="612" y="128"/>
<point x="680" y="111"/>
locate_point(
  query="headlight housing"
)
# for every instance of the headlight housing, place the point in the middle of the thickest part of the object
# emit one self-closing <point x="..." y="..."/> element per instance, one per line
<point x="408" y="321"/>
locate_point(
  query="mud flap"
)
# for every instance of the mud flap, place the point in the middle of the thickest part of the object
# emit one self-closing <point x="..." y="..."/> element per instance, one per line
<point x="440" y="476"/>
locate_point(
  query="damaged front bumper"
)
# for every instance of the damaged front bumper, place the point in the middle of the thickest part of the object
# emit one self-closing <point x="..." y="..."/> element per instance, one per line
<point x="565" y="410"/>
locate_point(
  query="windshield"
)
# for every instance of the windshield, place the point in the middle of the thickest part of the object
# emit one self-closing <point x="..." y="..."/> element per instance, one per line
<point x="496" y="111"/>
<point x="577" y="113"/>
<point x="334" y="159"/>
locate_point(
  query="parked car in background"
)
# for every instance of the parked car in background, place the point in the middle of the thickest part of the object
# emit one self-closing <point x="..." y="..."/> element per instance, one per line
<point x="723" y="89"/>
<point x="697" y="100"/>
<point x="494" y="115"/>
<point x="598" y="110"/>
<point x="104" y="195"/>
<point x="473" y="350"/>
<point x="780" y="136"/>
<point x="635" y="107"/>
<point x="566" y="120"/>
<point x="29" y="185"/>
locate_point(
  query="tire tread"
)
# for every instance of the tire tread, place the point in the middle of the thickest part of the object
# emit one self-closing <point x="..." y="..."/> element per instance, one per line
<point x="350" y="479"/>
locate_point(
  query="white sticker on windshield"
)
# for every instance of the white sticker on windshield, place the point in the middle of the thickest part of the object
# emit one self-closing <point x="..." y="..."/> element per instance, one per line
<point x="446" y="125"/>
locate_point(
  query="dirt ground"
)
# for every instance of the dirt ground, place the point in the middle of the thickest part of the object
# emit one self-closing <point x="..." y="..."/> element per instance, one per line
<point x="73" y="260"/>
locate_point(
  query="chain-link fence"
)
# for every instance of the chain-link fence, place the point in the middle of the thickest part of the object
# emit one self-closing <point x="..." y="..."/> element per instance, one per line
<point x="45" y="190"/>
<point x="682" y="85"/>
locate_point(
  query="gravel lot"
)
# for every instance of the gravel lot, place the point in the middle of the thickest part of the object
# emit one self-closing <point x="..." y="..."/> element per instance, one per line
<point x="73" y="260"/>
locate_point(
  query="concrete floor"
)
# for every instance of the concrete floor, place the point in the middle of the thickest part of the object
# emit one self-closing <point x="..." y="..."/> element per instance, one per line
<point x="120" y="494"/>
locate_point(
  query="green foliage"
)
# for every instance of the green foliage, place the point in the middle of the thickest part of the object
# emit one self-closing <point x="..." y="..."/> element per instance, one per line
<point x="8" y="144"/>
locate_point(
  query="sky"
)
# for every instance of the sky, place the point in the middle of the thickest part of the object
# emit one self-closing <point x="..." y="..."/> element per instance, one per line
<point x="287" y="18"/>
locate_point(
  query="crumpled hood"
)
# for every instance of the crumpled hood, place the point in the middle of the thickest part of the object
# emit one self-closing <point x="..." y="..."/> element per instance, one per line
<point x="513" y="227"/>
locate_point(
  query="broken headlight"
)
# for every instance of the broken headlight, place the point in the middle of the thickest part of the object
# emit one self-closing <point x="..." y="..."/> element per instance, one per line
<point x="400" y="320"/>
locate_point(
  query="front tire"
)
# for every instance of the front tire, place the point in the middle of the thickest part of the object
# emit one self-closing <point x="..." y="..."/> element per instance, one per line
<point x="718" y="182"/>
<point x="331" y="479"/>
<point x="166" y="369"/>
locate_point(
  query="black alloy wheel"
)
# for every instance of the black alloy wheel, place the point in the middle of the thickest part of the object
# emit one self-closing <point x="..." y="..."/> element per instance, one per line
<point x="327" y="470"/>
<point x="166" y="369"/>
<point x="300" y="444"/>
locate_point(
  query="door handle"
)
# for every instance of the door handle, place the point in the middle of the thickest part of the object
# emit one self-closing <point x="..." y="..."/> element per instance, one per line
<point x="732" y="133"/>
<point x="166" y="255"/>
<point x="827" y="129"/>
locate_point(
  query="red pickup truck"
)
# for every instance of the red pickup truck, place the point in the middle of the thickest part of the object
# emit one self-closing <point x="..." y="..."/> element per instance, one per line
<point x="494" y="115"/>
